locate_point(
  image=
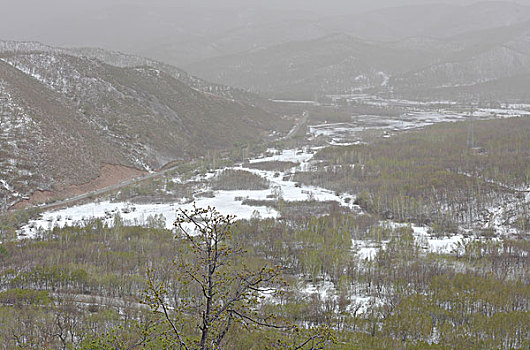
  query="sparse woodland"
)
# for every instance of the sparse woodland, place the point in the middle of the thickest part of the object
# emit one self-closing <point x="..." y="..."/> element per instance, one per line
<point x="433" y="176"/>
<point x="234" y="179"/>
<point x="90" y="288"/>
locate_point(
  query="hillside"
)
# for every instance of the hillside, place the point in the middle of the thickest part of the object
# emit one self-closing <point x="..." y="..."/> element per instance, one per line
<point x="512" y="89"/>
<point x="45" y="141"/>
<point x="62" y="113"/>
<point x="120" y="59"/>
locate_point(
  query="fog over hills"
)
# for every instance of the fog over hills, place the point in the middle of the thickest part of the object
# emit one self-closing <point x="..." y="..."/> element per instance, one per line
<point x="183" y="32"/>
<point x="340" y="64"/>
<point x="334" y="63"/>
<point x="429" y="20"/>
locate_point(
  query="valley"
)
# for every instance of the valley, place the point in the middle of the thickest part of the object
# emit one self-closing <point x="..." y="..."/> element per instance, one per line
<point x="313" y="203"/>
<point x="283" y="171"/>
<point x="274" y="175"/>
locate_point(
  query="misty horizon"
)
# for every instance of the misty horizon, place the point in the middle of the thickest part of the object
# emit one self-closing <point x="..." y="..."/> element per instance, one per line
<point x="139" y="27"/>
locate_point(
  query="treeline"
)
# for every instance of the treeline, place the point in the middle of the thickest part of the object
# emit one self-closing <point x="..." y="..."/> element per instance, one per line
<point x="236" y="179"/>
<point x="93" y="260"/>
<point x="10" y="222"/>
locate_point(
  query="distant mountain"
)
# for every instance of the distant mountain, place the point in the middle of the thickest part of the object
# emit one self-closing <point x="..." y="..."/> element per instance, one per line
<point x="434" y="20"/>
<point x="175" y="32"/>
<point x="341" y="64"/>
<point x="65" y="117"/>
<point x="470" y="59"/>
<point x="182" y="34"/>
<point x="334" y="63"/>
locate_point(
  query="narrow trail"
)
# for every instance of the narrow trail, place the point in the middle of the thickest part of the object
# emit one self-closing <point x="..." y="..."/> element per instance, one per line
<point x="296" y="128"/>
<point x="75" y="199"/>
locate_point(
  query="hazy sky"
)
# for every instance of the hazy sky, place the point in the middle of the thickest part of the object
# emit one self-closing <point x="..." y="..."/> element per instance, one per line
<point x="165" y="26"/>
<point x="21" y="8"/>
<point x="24" y="18"/>
<point x="48" y="19"/>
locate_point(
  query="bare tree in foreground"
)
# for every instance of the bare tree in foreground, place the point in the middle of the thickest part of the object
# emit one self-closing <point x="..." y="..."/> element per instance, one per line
<point x="216" y="289"/>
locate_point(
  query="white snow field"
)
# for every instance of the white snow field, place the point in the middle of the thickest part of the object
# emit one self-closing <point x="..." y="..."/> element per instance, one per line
<point x="226" y="202"/>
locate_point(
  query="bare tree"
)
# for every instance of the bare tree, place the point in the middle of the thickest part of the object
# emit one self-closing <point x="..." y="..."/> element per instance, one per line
<point x="216" y="287"/>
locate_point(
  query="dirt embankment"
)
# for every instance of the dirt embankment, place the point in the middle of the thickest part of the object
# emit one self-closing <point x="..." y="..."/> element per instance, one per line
<point x="110" y="175"/>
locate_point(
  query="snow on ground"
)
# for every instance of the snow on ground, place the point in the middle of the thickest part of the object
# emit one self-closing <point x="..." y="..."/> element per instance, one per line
<point x="500" y="215"/>
<point x="365" y="249"/>
<point x="6" y="185"/>
<point x="231" y="202"/>
<point x="226" y="202"/>
<point x="500" y="112"/>
<point x="386" y="78"/>
<point x="314" y="103"/>
<point x="326" y="290"/>
<point x="521" y="106"/>
<point x="379" y="101"/>
<point x="292" y="191"/>
<point x="442" y="245"/>
<point x="138" y="214"/>
<point x="348" y="132"/>
<point x="361" y="304"/>
<point x="302" y="155"/>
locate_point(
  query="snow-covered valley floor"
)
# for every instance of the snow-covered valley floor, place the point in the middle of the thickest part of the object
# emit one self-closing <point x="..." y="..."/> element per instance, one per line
<point x="281" y="185"/>
<point x="226" y="202"/>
